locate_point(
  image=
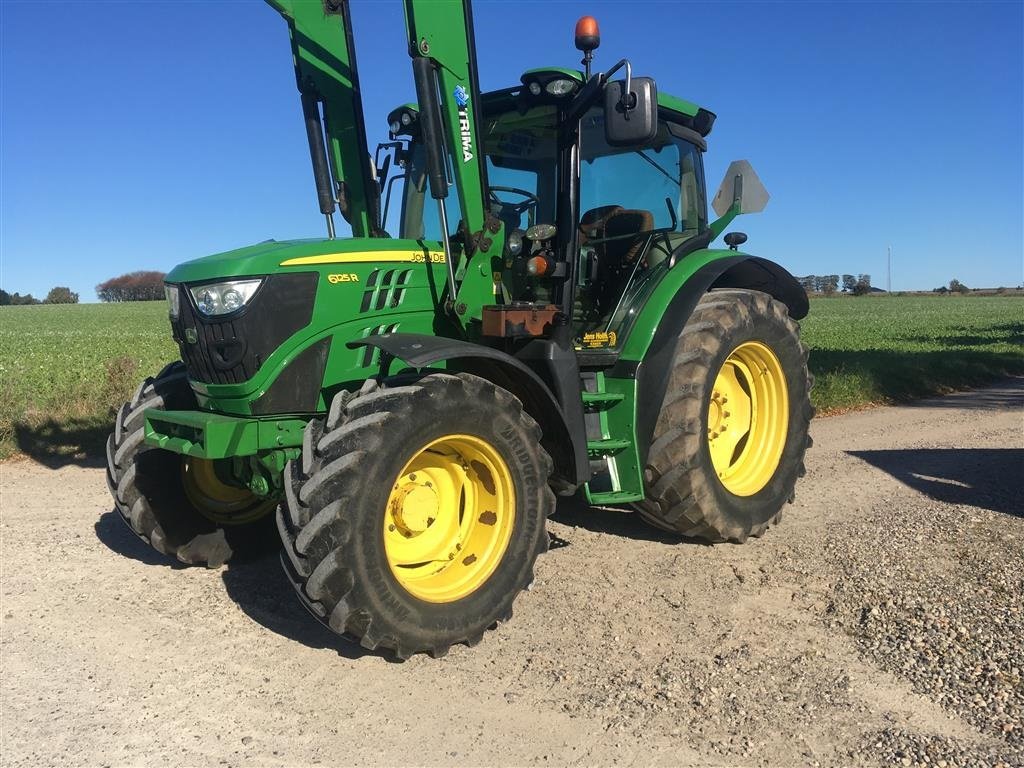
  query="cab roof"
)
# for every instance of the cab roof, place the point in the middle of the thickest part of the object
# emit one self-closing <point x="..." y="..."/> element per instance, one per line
<point x="679" y="110"/>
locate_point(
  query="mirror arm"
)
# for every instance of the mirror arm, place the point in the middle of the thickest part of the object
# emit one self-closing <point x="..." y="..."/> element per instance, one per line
<point x="629" y="82"/>
<point x="718" y="226"/>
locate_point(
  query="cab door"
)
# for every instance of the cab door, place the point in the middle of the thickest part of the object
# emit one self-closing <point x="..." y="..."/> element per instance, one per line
<point x="637" y="205"/>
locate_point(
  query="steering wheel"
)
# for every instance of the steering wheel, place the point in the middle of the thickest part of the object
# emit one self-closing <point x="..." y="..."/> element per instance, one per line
<point x="518" y="209"/>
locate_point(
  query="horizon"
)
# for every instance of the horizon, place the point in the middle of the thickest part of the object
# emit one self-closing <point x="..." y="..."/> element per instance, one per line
<point x="177" y="132"/>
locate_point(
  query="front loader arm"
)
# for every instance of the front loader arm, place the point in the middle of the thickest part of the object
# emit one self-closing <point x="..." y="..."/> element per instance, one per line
<point x="442" y="31"/>
<point x="325" y="72"/>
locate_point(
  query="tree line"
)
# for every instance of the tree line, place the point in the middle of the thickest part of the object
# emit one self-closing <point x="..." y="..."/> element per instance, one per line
<point x="58" y="295"/>
<point x="134" y="286"/>
<point x="858" y="285"/>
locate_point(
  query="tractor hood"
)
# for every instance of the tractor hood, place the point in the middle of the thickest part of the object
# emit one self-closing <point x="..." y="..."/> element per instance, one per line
<point x="276" y="256"/>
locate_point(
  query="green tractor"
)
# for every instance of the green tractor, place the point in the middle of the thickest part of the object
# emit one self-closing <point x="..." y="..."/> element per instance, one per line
<point x="546" y="316"/>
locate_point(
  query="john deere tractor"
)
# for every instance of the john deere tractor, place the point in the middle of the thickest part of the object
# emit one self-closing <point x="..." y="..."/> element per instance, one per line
<point x="529" y="305"/>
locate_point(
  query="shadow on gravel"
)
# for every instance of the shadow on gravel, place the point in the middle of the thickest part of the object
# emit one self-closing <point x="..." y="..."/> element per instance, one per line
<point x="574" y="511"/>
<point x="81" y="442"/>
<point x="257" y="586"/>
<point x="262" y="591"/>
<point x="114" y="534"/>
<point x="989" y="478"/>
<point x="1002" y="396"/>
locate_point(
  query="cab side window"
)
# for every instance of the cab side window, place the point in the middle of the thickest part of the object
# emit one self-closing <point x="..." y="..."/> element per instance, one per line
<point x="637" y="204"/>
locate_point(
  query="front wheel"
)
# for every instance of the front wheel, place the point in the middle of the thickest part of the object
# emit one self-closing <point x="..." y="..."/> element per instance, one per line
<point x="730" y="440"/>
<point x="184" y="507"/>
<point x="416" y="513"/>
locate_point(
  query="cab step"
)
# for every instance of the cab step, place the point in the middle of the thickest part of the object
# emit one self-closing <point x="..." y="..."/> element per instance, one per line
<point x="606" y="447"/>
<point x="613" y="497"/>
<point x="601" y="401"/>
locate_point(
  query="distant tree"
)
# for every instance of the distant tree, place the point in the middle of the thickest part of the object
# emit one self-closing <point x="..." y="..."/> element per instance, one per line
<point x="829" y="284"/>
<point x="955" y="286"/>
<point x="61" y="295"/>
<point x="807" y="283"/>
<point x="135" y="286"/>
<point x="16" y="298"/>
<point x="940" y="289"/>
<point x="865" y="278"/>
<point x="5" y="298"/>
<point x="849" y="281"/>
<point x="862" y="288"/>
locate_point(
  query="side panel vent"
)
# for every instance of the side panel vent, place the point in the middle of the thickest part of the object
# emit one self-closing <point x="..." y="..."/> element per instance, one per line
<point x="385" y="289"/>
<point x="367" y="357"/>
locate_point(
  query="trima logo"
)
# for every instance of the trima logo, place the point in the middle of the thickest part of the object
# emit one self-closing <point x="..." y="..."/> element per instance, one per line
<point x="462" y="102"/>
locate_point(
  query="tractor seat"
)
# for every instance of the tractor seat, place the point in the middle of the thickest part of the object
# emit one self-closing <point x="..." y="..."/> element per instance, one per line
<point x="627" y="227"/>
<point x="592" y="223"/>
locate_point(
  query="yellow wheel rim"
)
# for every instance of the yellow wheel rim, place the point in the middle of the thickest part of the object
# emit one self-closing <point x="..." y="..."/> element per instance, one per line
<point x="449" y="518"/>
<point x="216" y="500"/>
<point x="748" y="418"/>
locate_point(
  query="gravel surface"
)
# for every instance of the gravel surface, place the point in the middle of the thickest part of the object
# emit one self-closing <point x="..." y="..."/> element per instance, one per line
<point x="882" y="623"/>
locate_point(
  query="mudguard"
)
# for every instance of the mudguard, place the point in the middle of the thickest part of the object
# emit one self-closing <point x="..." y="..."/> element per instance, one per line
<point x="421" y="351"/>
<point x="652" y="370"/>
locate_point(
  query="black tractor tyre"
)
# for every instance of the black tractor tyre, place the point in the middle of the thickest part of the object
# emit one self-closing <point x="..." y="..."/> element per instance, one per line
<point x="332" y="519"/>
<point x="684" y="493"/>
<point x="148" y="490"/>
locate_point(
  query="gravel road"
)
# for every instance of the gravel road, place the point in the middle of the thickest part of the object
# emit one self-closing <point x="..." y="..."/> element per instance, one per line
<point x="882" y="623"/>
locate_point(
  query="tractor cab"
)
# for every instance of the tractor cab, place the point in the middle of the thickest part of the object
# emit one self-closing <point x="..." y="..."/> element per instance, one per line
<point x="638" y="203"/>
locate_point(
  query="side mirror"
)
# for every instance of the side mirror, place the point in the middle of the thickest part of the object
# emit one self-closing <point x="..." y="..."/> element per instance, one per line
<point x="630" y="118"/>
<point x="740" y="185"/>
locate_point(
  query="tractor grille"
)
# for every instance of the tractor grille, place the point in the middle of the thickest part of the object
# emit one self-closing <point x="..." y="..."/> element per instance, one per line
<point x="230" y="349"/>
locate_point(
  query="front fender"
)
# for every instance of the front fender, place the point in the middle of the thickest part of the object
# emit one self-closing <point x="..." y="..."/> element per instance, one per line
<point x="421" y="351"/>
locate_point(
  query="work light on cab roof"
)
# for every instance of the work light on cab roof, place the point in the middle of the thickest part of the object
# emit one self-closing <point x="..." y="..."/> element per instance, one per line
<point x="588" y="38"/>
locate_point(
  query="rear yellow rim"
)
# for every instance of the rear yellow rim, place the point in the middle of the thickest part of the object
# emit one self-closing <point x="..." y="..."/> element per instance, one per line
<point x="217" y="501"/>
<point x="449" y="518"/>
<point x="748" y="418"/>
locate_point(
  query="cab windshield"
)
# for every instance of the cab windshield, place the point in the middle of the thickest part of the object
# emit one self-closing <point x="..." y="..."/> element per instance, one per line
<point x="521" y="152"/>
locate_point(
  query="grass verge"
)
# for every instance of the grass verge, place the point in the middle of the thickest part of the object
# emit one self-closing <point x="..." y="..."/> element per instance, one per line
<point x="65" y="369"/>
<point x="885" y="349"/>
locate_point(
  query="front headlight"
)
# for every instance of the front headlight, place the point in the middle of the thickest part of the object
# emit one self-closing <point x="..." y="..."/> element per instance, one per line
<point x="224" y="298"/>
<point x="173" y="301"/>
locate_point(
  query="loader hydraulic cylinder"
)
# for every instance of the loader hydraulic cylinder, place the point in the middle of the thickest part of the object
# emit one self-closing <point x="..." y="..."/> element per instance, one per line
<point x="318" y="154"/>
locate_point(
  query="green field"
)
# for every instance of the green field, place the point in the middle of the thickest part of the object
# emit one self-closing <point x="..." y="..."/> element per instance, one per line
<point x="63" y="369"/>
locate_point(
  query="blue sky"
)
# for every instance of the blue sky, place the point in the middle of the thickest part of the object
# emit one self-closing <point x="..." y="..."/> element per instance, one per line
<point x="138" y="135"/>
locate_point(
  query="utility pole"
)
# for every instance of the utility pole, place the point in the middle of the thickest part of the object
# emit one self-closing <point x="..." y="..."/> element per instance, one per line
<point x="888" y="270"/>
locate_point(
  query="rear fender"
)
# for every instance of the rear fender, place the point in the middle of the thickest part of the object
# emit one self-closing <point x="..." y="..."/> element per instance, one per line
<point x="421" y="351"/>
<point x="652" y="364"/>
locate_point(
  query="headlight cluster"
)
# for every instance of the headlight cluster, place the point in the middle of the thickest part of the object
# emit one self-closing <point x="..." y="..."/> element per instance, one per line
<point x="560" y="87"/>
<point x="173" y="301"/>
<point x="224" y="298"/>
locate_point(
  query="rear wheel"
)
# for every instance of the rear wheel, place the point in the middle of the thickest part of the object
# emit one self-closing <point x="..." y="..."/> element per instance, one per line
<point x="730" y="440"/>
<point x="184" y="507"/>
<point x="417" y="512"/>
